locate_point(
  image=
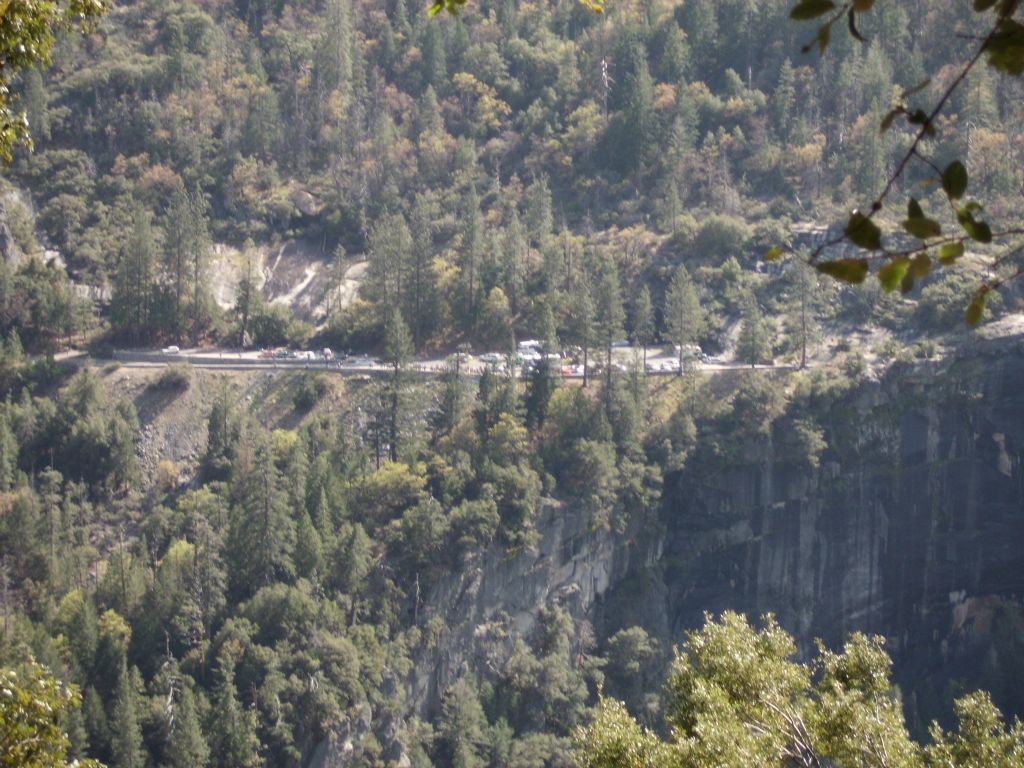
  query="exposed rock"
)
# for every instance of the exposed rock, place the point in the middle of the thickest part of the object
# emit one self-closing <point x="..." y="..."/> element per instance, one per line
<point x="307" y="204"/>
<point x="911" y="529"/>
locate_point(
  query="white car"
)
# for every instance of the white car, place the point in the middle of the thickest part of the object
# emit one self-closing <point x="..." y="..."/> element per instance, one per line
<point x="171" y="350"/>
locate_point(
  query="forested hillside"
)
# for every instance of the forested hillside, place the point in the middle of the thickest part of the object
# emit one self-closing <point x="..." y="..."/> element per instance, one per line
<point x="445" y="567"/>
<point x="501" y="168"/>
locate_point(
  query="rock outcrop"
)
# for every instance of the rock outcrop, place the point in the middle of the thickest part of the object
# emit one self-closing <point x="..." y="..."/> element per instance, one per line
<point x="911" y="527"/>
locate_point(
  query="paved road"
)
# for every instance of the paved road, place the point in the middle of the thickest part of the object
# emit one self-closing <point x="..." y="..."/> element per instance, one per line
<point x="226" y="359"/>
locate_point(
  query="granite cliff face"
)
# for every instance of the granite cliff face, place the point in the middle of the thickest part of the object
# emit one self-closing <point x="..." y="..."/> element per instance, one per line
<point x="912" y="527"/>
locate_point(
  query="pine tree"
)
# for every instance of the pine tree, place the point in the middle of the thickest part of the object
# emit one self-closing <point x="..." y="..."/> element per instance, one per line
<point x="782" y="101"/>
<point x="581" y="330"/>
<point x="397" y="354"/>
<point x="8" y="452"/>
<point x="540" y="219"/>
<point x="683" y="318"/>
<point x="233" y="739"/>
<point x="608" y="314"/>
<point x="805" y="306"/>
<point x="540" y="386"/>
<point x="126" y="745"/>
<point x="390" y="245"/>
<point x="133" y="287"/>
<point x="309" y="556"/>
<point x="334" y="52"/>
<point x="514" y="253"/>
<point x="248" y="298"/>
<point x="261" y="533"/>
<point x="753" y="344"/>
<point x="186" y="746"/>
<point x="185" y="261"/>
<point x="470" y="254"/>
<point x="462" y="727"/>
<point x="435" y="60"/>
<point x="199" y="247"/>
<point x="643" y="321"/>
<point x="638" y="109"/>
<point x="420" y="303"/>
<point x="36" y="106"/>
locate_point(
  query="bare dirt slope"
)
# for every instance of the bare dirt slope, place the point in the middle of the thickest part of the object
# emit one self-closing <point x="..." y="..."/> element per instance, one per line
<point x="173" y="422"/>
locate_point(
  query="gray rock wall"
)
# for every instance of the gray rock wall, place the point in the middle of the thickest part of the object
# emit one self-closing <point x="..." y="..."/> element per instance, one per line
<point x="912" y="528"/>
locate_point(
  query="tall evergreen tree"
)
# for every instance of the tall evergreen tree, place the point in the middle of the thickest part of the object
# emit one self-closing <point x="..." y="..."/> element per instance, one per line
<point x="608" y="314"/>
<point x="581" y="329"/>
<point x="185" y="261"/>
<point x="397" y="354"/>
<point x="133" y="287"/>
<point x="390" y="246"/>
<point x="248" y="298"/>
<point x="806" y="301"/>
<point x="184" y="743"/>
<point x="514" y="253"/>
<point x="754" y="343"/>
<point x="638" y="110"/>
<point x="682" y="313"/>
<point x="643" y="321"/>
<point x="462" y="727"/>
<point x="126" y="744"/>
<point x="232" y="728"/>
<point x="470" y="255"/>
<point x="261" y="533"/>
<point x="8" y="451"/>
<point x="421" y="292"/>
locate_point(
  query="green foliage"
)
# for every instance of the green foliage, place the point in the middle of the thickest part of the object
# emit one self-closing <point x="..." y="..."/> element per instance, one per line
<point x="28" y="31"/>
<point x="174" y="378"/>
<point x="310" y="390"/>
<point x="738" y="698"/>
<point x="754" y="344"/>
<point x="33" y="706"/>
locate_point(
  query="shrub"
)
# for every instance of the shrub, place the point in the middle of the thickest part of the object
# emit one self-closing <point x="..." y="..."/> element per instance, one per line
<point x="311" y="390"/>
<point x="175" y="378"/>
<point x="944" y="301"/>
<point x="167" y="476"/>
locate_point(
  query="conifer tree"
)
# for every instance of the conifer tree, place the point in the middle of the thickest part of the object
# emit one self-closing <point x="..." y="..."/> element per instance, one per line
<point x="186" y="746"/>
<point x="397" y="354"/>
<point x="126" y="745"/>
<point x="643" y="321"/>
<point x="514" y="261"/>
<point x="233" y="739"/>
<point x="133" y="288"/>
<point x="309" y="556"/>
<point x="261" y="533"/>
<point x="683" y="319"/>
<point x="608" y="313"/>
<point x="581" y="330"/>
<point x="462" y="727"/>
<point x="470" y="255"/>
<point x="421" y="289"/>
<point x="248" y="298"/>
<point x="8" y="451"/>
<point x="805" y="305"/>
<point x="754" y="343"/>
